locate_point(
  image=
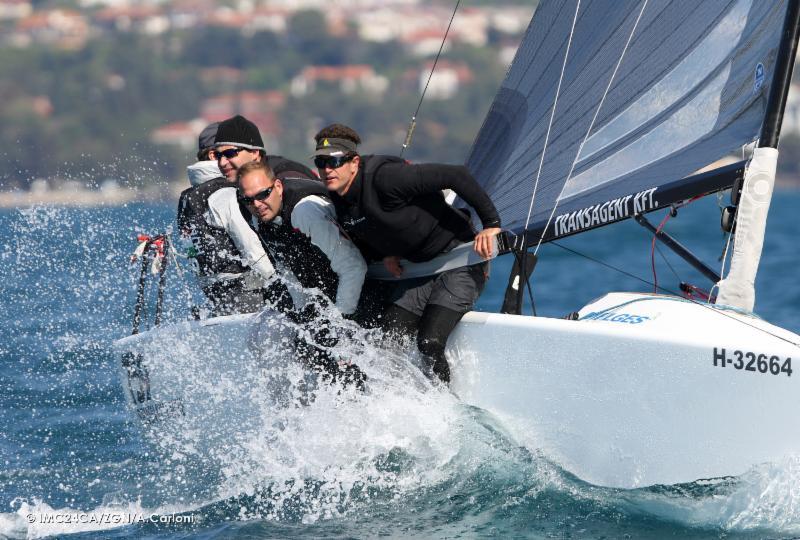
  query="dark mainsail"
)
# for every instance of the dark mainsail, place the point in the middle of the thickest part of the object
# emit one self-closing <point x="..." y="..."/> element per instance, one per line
<point x="652" y="91"/>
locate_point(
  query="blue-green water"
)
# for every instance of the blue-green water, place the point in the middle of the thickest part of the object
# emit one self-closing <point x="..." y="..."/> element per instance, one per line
<point x="429" y="468"/>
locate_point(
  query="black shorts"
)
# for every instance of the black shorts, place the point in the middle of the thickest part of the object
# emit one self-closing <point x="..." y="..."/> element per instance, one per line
<point x="456" y="289"/>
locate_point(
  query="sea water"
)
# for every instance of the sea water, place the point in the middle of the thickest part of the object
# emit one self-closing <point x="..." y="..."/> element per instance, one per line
<point x="405" y="460"/>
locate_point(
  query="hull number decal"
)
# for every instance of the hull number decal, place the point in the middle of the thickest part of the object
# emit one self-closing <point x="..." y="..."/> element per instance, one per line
<point x="750" y="361"/>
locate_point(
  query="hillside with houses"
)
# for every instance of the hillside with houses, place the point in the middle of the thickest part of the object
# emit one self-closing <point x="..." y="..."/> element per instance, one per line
<point x="107" y="94"/>
<point x="114" y="92"/>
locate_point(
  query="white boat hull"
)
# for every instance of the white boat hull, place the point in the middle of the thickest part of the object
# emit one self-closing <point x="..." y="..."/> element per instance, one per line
<point x="630" y="394"/>
<point x="627" y="396"/>
<point x="205" y="373"/>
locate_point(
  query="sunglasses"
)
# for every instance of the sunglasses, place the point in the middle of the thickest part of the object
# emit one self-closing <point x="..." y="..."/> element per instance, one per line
<point x="331" y="162"/>
<point x="260" y="196"/>
<point x="230" y="153"/>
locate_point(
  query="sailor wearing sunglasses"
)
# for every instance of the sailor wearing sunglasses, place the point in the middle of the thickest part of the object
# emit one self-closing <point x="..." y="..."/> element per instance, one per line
<point x="298" y="225"/>
<point x="393" y="210"/>
<point x="235" y="270"/>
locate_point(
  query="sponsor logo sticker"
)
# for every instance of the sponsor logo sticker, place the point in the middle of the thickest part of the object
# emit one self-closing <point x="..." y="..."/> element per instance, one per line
<point x="758" y="78"/>
<point x="607" y="212"/>
<point x="617" y="317"/>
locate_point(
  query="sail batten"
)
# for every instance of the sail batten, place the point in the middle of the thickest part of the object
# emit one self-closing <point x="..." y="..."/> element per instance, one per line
<point x="691" y="88"/>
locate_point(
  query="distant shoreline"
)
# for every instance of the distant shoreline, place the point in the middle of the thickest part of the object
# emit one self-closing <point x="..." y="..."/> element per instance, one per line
<point x="86" y="198"/>
<point x="91" y="198"/>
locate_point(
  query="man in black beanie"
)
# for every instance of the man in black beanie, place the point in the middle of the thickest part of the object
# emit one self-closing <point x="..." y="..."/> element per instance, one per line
<point x="238" y="142"/>
<point x="235" y="271"/>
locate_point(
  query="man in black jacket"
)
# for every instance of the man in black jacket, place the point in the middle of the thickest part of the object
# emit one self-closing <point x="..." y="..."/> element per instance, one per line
<point x="395" y="210"/>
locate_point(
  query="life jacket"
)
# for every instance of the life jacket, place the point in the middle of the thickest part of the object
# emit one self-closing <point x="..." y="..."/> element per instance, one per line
<point x="286" y="168"/>
<point x="418" y="230"/>
<point x="216" y="252"/>
<point x="292" y="248"/>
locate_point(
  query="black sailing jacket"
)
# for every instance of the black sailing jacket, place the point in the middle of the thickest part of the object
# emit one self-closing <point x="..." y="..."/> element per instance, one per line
<point x="394" y="208"/>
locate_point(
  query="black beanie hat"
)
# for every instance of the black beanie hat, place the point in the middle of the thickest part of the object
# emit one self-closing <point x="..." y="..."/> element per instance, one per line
<point x="239" y="131"/>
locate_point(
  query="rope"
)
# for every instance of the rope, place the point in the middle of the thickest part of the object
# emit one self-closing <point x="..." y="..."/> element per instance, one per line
<point x="602" y="263"/>
<point x="653" y="249"/>
<point x="552" y="117"/>
<point x="674" y="293"/>
<point x="413" y="122"/>
<point x="588" y="131"/>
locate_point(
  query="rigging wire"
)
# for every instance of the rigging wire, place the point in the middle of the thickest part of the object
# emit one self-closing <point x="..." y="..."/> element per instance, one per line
<point x="413" y="123"/>
<point x="546" y="140"/>
<point x="552" y="116"/>
<point x="607" y="265"/>
<point x="588" y="131"/>
<point x="653" y="249"/>
<point x="728" y="242"/>
<point x="673" y="293"/>
<point x="666" y="261"/>
<point x="726" y="251"/>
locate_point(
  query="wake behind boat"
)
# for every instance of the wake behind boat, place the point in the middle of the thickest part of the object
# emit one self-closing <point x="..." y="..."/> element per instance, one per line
<point x="607" y="113"/>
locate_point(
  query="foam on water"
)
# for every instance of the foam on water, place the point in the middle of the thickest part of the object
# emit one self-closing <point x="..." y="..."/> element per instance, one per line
<point x="406" y="458"/>
<point x="268" y="427"/>
<point x="765" y="498"/>
<point x="333" y="457"/>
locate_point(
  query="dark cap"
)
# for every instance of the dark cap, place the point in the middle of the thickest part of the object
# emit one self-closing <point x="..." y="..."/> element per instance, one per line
<point x="239" y="131"/>
<point x="206" y="139"/>
<point x="335" y="147"/>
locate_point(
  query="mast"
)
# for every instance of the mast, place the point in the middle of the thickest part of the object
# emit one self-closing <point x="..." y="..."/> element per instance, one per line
<point x="738" y="287"/>
<point x="782" y="78"/>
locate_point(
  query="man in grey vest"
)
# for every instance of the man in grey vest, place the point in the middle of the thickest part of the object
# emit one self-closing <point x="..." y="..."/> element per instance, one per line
<point x="298" y="226"/>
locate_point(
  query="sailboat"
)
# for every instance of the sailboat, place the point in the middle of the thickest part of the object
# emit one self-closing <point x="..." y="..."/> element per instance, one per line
<point x="607" y="113"/>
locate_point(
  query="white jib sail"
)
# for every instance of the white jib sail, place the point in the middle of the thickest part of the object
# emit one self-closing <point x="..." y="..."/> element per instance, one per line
<point x="738" y="288"/>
